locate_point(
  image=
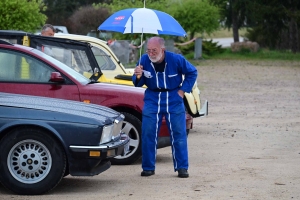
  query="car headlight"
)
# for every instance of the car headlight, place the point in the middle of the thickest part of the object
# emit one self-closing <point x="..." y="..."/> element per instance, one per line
<point x="106" y="134"/>
<point x="112" y="132"/>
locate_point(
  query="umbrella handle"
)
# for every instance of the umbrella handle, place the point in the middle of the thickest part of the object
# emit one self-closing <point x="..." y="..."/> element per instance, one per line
<point x="141" y="48"/>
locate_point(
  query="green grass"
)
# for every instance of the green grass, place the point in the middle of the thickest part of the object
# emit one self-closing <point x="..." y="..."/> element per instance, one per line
<point x="262" y="54"/>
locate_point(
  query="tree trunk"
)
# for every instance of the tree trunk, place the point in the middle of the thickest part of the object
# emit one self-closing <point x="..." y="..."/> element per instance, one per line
<point x="292" y="37"/>
<point x="293" y="29"/>
<point x="235" y="27"/>
<point x="297" y="38"/>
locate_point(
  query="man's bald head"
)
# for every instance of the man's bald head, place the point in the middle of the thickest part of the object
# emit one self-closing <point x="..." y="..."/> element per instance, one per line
<point x="156" y="41"/>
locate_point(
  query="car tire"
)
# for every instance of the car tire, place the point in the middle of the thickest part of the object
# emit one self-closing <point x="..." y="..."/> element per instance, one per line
<point x="132" y="126"/>
<point x="31" y="161"/>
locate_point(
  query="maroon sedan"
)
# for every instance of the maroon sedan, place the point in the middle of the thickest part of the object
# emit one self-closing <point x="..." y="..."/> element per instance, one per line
<point x="24" y="70"/>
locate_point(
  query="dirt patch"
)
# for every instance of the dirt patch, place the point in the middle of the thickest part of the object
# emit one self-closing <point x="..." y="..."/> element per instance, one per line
<point x="246" y="148"/>
<point x="252" y="132"/>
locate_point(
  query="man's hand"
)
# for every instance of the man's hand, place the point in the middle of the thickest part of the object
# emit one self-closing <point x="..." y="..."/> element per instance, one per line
<point x="181" y="93"/>
<point x="138" y="71"/>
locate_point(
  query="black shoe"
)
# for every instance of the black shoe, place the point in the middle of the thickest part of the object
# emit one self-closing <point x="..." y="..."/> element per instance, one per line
<point x="147" y="173"/>
<point x="183" y="173"/>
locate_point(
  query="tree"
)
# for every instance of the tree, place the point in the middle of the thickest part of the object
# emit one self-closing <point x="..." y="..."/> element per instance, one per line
<point x="294" y="19"/>
<point x="87" y="18"/>
<point x="58" y="11"/>
<point x="273" y="22"/>
<point x="234" y="14"/>
<point x="21" y="15"/>
<point x="116" y="5"/>
<point x="277" y="21"/>
<point x="197" y="16"/>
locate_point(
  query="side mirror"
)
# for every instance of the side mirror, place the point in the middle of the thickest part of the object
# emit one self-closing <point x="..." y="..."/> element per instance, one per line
<point x="56" y="77"/>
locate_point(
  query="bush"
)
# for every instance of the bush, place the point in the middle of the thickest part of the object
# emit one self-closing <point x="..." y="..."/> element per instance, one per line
<point x="208" y="48"/>
<point x="87" y="18"/>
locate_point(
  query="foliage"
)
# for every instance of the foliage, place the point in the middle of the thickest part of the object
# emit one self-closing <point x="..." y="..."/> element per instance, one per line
<point x="234" y="14"/>
<point x="208" y="48"/>
<point x="240" y="8"/>
<point x="87" y="18"/>
<point x="185" y="49"/>
<point x="274" y="22"/>
<point x="58" y="12"/>
<point x="21" y="15"/>
<point x="276" y="18"/>
<point x="261" y="36"/>
<point x="197" y="16"/>
<point x="116" y="5"/>
<point x="262" y="54"/>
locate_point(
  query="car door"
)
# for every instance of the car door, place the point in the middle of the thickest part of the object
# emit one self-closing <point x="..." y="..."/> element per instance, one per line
<point x="24" y="74"/>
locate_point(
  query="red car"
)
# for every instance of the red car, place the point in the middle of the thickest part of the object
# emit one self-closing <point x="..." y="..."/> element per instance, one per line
<point x="24" y="70"/>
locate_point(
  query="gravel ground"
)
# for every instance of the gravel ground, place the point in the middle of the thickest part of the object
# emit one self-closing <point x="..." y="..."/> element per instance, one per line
<point x="246" y="148"/>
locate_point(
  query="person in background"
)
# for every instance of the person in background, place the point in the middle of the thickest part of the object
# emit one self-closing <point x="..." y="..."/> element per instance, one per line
<point x="48" y="30"/>
<point x="162" y="72"/>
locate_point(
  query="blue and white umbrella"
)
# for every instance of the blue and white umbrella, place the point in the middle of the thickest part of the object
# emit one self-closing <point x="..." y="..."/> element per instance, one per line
<point x="142" y="20"/>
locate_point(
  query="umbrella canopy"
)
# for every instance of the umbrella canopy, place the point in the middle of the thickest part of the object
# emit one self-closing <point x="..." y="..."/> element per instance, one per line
<point x="142" y="20"/>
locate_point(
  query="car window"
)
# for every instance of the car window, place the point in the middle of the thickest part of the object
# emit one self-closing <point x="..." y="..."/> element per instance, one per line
<point x="18" y="67"/>
<point x="76" y="59"/>
<point x="104" y="61"/>
<point x="13" y="41"/>
<point x="79" y="77"/>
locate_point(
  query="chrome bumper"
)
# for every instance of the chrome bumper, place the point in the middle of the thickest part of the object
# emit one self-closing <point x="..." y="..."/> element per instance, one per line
<point x="112" y="145"/>
<point x="204" y="110"/>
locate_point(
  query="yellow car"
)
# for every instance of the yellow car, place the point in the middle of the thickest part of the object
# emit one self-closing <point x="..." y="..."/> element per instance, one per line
<point x="114" y="72"/>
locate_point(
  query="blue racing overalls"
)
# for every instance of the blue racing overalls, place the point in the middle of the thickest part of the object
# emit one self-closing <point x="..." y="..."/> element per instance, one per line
<point x="161" y="99"/>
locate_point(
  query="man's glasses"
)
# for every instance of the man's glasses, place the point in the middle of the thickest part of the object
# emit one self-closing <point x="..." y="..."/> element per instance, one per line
<point x="153" y="51"/>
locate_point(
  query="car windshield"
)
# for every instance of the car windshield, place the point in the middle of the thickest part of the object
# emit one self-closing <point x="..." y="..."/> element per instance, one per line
<point x="76" y="59"/>
<point x="79" y="77"/>
<point x="104" y="61"/>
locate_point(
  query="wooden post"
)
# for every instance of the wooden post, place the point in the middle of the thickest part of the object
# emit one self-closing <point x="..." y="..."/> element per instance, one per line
<point x="198" y="48"/>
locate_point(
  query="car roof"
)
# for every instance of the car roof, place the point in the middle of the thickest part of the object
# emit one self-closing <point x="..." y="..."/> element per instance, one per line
<point x="85" y="37"/>
<point x="14" y="32"/>
<point x="91" y="40"/>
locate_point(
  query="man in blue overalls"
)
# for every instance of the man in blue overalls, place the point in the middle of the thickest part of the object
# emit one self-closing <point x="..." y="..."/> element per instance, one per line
<point x="162" y="72"/>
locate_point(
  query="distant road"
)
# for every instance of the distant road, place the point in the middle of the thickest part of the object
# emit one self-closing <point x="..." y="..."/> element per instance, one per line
<point x="225" y="42"/>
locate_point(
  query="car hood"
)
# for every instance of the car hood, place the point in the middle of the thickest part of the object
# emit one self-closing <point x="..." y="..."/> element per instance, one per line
<point x="78" y="110"/>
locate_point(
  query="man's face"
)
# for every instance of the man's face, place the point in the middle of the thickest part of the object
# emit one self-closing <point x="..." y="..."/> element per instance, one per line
<point x="48" y="32"/>
<point x="154" y="51"/>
